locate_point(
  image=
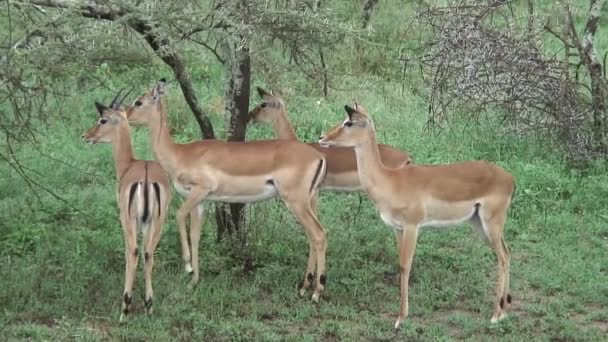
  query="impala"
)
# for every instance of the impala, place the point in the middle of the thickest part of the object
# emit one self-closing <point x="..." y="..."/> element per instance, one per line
<point x="341" y="161"/>
<point x="236" y="172"/>
<point x="416" y="196"/>
<point x="142" y="192"/>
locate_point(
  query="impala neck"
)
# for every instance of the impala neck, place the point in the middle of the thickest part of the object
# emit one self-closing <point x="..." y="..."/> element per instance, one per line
<point x="122" y="150"/>
<point x="160" y="137"/>
<point x="283" y="128"/>
<point x="369" y="164"/>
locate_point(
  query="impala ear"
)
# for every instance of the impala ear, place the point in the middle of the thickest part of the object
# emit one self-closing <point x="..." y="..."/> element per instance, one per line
<point x="264" y="94"/>
<point x="101" y="108"/>
<point x="159" y="89"/>
<point x="350" y="111"/>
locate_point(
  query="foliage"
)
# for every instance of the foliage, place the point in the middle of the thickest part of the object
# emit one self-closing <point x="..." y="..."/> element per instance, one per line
<point x="61" y="263"/>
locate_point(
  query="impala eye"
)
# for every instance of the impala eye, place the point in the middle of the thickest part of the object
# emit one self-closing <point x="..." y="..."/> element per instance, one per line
<point x="348" y="123"/>
<point x="103" y="121"/>
<point x="137" y="103"/>
<point x="263" y="105"/>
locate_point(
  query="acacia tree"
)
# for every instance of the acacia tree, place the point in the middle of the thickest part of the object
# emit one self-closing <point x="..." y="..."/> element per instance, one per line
<point x="59" y="30"/>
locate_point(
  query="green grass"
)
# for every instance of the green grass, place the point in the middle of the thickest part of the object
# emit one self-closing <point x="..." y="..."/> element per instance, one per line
<point x="61" y="271"/>
<point x="62" y="267"/>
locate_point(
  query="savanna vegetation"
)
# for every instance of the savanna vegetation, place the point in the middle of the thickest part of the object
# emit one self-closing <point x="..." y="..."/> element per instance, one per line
<point x="61" y="246"/>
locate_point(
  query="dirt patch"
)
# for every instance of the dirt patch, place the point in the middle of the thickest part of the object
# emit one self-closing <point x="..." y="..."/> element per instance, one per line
<point x="582" y="322"/>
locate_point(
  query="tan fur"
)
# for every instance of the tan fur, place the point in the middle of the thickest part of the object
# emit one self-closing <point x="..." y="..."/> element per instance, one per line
<point x="415" y="196"/>
<point x="341" y="161"/>
<point x="113" y="127"/>
<point x="236" y="172"/>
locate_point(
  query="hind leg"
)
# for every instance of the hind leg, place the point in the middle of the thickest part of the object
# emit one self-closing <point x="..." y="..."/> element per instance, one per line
<point x="312" y="257"/>
<point x="493" y="229"/>
<point x="131" y="254"/>
<point x="151" y="240"/>
<point x="317" y="247"/>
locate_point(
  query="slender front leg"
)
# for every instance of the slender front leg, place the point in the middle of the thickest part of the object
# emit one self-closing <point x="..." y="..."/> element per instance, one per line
<point x="183" y="239"/>
<point x="131" y="254"/>
<point x="398" y="238"/>
<point x="406" y="255"/>
<point x="196" y="196"/>
<point x="197" y="219"/>
<point x="320" y="240"/>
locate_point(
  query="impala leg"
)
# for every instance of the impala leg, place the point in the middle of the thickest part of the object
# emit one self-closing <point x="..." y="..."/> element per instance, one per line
<point x="312" y="258"/>
<point x="196" y="196"/>
<point x="151" y="243"/>
<point x="398" y="238"/>
<point x="131" y="254"/>
<point x="197" y="217"/>
<point x="320" y="241"/>
<point x="507" y="291"/>
<point x="183" y="239"/>
<point x="494" y="227"/>
<point x="406" y="255"/>
<point x="317" y="246"/>
<point x="310" y="268"/>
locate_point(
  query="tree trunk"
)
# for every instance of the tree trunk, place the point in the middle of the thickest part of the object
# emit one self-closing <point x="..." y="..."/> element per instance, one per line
<point x="599" y="87"/>
<point x="599" y="90"/>
<point x="237" y="73"/>
<point x="368" y="8"/>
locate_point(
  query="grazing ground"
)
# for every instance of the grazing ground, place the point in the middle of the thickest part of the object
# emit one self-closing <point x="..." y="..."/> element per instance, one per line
<point x="61" y="264"/>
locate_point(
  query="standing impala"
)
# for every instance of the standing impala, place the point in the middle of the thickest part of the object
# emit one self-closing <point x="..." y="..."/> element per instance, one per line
<point x="416" y="196"/>
<point x="341" y="161"/>
<point x="143" y="195"/>
<point x="236" y="172"/>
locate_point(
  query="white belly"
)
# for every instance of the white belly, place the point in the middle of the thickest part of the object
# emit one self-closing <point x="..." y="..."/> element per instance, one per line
<point x="265" y="193"/>
<point x="438" y="214"/>
<point x="443" y="214"/>
<point x="236" y="190"/>
<point x="340" y="189"/>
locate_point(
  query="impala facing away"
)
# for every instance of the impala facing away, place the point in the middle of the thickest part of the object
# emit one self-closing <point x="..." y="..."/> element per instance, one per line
<point x="236" y="172"/>
<point x="341" y="161"/>
<point x="142" y="192"/>
<point x="416" y="196"/>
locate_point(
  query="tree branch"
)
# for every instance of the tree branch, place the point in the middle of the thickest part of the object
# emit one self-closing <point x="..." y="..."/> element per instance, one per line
<point x="112" y="12"/>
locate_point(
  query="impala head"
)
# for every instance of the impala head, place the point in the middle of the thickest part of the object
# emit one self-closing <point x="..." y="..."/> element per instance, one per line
<point x="147" y="106"/>
<point x="269" y="109"/>
<point x="351" y="132"/>
<point x="110" y="119"/>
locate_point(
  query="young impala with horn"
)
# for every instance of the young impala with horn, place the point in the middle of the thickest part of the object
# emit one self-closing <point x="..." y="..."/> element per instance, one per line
<point x="416" y="196"/>
<point x="241" y="172"/>
<point x="341" y="161"/>
<point x="142" y="192"/>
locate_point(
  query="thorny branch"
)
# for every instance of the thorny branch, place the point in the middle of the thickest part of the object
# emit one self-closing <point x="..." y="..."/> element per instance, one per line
<point x="474" y="67"/>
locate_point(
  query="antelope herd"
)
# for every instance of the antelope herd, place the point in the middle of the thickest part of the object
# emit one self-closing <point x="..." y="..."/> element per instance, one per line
<point x="346" y="158"/>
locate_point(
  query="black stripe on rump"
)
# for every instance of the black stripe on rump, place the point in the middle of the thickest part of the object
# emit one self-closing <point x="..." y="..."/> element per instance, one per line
<point x="314" y="180"/>
<point x="146" y="214"/>
<point x="131" y="194"/>
<point x="157" y="193"/>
